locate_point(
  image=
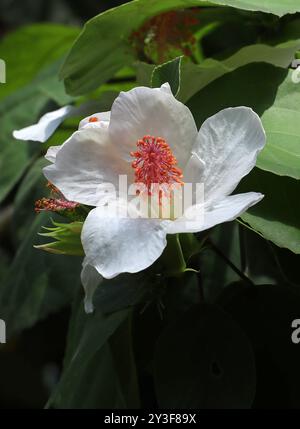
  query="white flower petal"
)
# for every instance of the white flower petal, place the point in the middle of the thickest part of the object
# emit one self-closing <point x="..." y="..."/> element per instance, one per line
<point x="228" y="143"/>
<point x="166" y="88"/>
<point x="45" y="127"/>
<point x="152" y="111"/>
<point x="114" y="244"/>
<point x="85" y="165"/>
<point x="52" y="152"/>
<point x="48" y="123"/>
<point x="90" y="279"/>
<point x="199" y="218"/>
<point x="102" y="121"/>
<point x="192" y="174"/>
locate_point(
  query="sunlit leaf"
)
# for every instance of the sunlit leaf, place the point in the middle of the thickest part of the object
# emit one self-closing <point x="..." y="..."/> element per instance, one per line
<point x="277" y="216"/>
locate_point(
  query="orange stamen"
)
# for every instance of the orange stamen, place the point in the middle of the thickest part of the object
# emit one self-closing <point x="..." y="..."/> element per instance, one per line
<point x="53" y="188"/>
<point x="93" y="119"/>
<point x="54" y="205"/>
<point x="155" y="164"/>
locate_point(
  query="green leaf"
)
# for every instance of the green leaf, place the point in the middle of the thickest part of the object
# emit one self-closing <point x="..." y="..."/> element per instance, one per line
<point x="196" y="77"/>
<point x="17" y="111"/>
<point x="48" y="83"/>
<point x="282" y="124"/>
<point x="89" y="64"/>
<point x="260" y="260"/>
<point x="277" y="7"/>
<point x="250" y="253"/>
<point x="277" y="216"/>
<point x="187" y="78"/>
<point x="168" y="72"/>
<point x="99" y="370"/>
<point x="265" y="313"/>
<point x="144" y="73"/>
<point x="215" y="273"/>
<point x="271" y="93"/>
<point x="37" y="283"/>
<point x="204" y="360"/>
<point x="121" y="344"/>
<point x="30" y="49"/>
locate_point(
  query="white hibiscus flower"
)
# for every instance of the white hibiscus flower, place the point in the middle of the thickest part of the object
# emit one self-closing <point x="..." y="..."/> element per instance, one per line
<point x="151" y="137"/>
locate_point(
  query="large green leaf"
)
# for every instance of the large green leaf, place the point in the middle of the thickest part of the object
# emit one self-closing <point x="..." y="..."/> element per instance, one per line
<point x="204" y="360"/>
<point x="47" y="82"/>
<point x="99" y="370"/>
<point x="277" y="216"/>
<point x="277" y="7"/>
<point x="281" y="118"/>
<point x="282" y="124"/>
<point x="103" y="46"/>
<point x="187" y="78"/>
<point x="195" y="77"/>
<point x="261" y="87"/>
<point x="271" y="92"/>
<point x="31" y="48"/>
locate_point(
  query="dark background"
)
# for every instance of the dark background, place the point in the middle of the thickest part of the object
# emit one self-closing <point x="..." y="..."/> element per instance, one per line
<point x="14" y="13"/>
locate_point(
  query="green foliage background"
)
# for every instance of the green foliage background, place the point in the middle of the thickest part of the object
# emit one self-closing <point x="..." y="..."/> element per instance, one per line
<point x="220" y="339"/>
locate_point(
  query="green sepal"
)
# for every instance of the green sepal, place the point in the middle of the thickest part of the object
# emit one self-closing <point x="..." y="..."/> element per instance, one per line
<point x="67" y="239"/>
<point x="179" y="250"/>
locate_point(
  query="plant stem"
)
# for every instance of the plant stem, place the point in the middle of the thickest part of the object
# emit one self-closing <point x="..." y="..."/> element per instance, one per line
<point x="230" y="264"/>
<point x="173" y="256"/>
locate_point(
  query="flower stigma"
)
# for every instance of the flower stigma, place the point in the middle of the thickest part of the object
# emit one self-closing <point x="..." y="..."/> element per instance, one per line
<point x="156" y="168"/>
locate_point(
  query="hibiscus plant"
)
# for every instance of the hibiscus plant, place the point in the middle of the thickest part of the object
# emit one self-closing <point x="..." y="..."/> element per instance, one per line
<point x="155" y="176"/>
